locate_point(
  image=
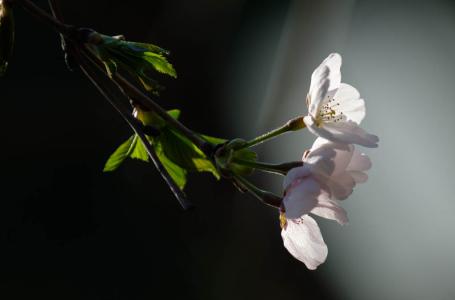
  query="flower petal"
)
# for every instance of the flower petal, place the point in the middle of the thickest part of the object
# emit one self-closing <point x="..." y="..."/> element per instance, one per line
<point x="346" y="132"/>
<point x="333" y="158"/>
<point x="339" y="187"/>
<point x="303" y="239"/>
<point x="359" y="162"/>
<point x="301" y="197"/>
<point x="330" y="209"/>
<point x="295" y="174"/>
<point x="358" y="176"/>
<point x="350" y="103"/>
<point x="325" y="80"/>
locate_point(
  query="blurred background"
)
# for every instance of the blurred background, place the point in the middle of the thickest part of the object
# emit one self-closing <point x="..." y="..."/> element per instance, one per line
<point x="69" y="231"/>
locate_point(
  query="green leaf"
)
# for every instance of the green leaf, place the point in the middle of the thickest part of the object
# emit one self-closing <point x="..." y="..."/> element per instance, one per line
<point x="152" y="119"/>
<point x="160" y="63"/>
<point x="138" y="59"/>
<point x="177" y="173"/>
<point x="152" y="48"/>
<point x="184" y="153"/>
<point x="139" y="151"/>
<point x="119" y="155"/>
<point x="134" y="148"/>
<point x="176" y="152"/>
<point x="213" y="140"/>
<point x="175" y="113"/>
<point x="6" y="35"/>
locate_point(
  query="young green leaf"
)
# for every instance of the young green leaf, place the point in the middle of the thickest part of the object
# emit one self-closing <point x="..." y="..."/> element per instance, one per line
<point x="184" y="153"/>
<point x="150" y="118"/>
<point x="138" y="59"/>
<point x="119" y="155"/>
<point x="177" y="173"/>
<point x="175" y="113"/>
<point x="133" y="147"/>
<point x="213" y="140"/>
<point x="139" y="151"/>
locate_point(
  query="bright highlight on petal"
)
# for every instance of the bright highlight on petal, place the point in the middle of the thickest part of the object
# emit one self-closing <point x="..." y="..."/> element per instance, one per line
<point x="303" y="239"/>
<point x="325" y="81"/>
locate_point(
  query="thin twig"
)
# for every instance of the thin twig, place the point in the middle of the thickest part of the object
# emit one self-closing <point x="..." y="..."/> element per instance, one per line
<point x="68" y="47"/>
<point x="149" y="103"/>
<point x="57" y="14"/>
<point x="43" y="16"/>
<point x="70" y="32"/>
<point x="55" y="9"/>
<point x="134" y="124"/>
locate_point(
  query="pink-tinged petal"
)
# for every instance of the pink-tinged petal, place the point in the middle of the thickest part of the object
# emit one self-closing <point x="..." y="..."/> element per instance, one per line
<point x="329" y="158"/>
<point x="358" y="176"/>
<point x="330" y="209"/>
<point x="359" y="162"/>
<point x="346" y="132"/>
<point x="303" y="239"/>
<point x="350" y="103"/>
<point x="319" y="143"/>
<point x="325" y="80"/>
<point x="301" y="197"/>
<point x="295" y="174"/>
<point x="339" y="187"/>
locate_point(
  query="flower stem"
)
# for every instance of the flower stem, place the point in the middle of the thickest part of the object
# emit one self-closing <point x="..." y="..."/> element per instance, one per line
<point x="264" y="196"/>
<point x="281" y="169"/>
<point x="292" y="125"/>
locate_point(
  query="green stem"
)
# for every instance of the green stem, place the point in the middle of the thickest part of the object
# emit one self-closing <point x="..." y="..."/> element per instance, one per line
<point x="264" y="196"/>
<point x="281" y="169"/>
<point x="292" y="125"/>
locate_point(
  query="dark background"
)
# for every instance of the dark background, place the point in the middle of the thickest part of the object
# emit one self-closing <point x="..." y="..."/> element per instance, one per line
<point x="69" y="231"/>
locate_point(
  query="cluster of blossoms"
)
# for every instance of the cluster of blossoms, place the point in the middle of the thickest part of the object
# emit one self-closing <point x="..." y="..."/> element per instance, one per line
<point x="331" y="168"/>
<point x="327" y="174"/>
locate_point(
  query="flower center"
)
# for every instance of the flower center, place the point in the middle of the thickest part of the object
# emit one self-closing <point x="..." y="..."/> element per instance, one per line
<point x="330" y="112"/>
<point x="283" y="220"/>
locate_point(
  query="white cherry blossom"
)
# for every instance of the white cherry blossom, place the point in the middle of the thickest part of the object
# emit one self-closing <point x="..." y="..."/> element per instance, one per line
<point x="335" y="109"/>
<point x="328" y="175"/>
<point x="303" y="239"/>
